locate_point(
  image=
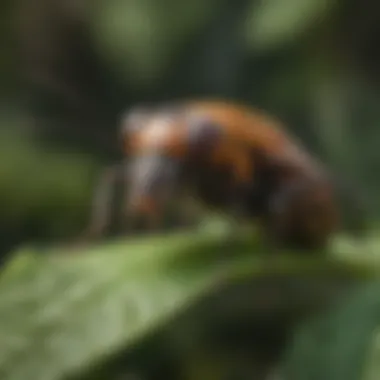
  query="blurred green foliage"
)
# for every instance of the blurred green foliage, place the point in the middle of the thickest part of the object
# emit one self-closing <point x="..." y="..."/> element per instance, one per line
<point x="37" y="185"/>
<point x="83" y="64"/>
<point x="341" y="344"/>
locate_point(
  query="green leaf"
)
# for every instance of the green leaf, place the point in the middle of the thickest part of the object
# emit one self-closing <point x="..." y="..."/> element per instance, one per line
<point x="139" y="39"/>
<point x="372" y="367"/>
<point x="60" y="314"/>
<point x="273" y="23"/>
<point x="342" y="345"/>
<point x="59" y="189"/>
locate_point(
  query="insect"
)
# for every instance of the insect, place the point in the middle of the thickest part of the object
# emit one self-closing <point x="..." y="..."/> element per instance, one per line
<point x="235" y="159"/>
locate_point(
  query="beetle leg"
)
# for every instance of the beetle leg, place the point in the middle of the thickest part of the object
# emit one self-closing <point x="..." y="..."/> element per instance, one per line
<point x="101" y="205"/>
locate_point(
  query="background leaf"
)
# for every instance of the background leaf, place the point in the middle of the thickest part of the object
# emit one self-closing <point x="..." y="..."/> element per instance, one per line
<point x="338" y="345"/>
<point x="275" y="23"/>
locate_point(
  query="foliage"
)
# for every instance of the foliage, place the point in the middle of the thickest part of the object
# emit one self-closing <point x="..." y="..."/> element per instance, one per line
<point x="86" y="63"/>
<point x="37" y="184"/>
<point x="341" y="344"/>
<point x="61" y="314"/>
<point x="274" y="24"/>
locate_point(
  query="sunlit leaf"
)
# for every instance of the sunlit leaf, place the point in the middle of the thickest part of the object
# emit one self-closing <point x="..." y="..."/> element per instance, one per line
<point x="59" y="314"/>
<point x="274" y="23"/>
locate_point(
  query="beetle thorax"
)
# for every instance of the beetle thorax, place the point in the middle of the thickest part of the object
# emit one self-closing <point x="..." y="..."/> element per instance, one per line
<point x="160" y="134"/>
<point x="157" y="132"/>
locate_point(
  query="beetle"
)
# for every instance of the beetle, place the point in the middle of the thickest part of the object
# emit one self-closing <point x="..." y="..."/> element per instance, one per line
<point x="235" y="159"/>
